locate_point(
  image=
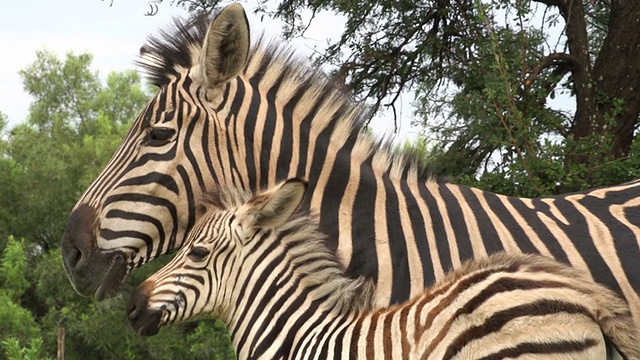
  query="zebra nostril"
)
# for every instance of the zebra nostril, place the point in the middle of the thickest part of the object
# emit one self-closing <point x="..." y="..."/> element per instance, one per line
<point x="138" y="303"/>
<point x="132" y="311"/>
<point x="74" y="258"/>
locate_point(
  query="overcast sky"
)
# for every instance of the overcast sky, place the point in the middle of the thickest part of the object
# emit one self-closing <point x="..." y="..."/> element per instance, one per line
<point x="113" y="34"/>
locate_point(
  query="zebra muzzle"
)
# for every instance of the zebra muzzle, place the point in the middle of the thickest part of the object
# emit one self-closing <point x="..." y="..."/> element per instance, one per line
<point x="92" y="271"/>
<point x="145" y="321"/>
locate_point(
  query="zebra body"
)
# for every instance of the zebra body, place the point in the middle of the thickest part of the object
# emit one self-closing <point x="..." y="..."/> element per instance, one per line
<point x="282" y="294"/>
<point x="226" y="115"/>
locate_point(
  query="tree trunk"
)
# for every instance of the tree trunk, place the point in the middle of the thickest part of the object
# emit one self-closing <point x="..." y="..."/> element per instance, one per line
<point x="617" y="75"/>
<point x="607" y="94"/>
<point x="585" y="118"/>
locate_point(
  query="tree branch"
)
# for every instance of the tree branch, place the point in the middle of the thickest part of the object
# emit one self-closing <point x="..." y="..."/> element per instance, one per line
<point x="558" y="3"/>
<point x="562" y="60"/>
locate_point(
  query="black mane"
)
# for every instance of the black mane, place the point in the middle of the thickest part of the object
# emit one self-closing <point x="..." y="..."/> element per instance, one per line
<point x="164" y="54"/>
<point x="177" y="48"/>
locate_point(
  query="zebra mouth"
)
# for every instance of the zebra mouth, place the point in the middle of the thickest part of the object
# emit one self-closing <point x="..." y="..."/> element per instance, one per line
<point x="145" y="322"/>
<point x="151" y="326"/>
<point x="112" y="280"/>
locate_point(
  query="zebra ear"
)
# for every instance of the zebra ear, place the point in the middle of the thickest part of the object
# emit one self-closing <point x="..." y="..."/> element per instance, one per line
<point x="226" y="46"/>
<point x="275" y="206"/>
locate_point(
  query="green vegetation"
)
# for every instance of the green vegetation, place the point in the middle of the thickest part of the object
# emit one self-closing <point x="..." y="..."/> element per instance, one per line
<point x="74" y="125"/>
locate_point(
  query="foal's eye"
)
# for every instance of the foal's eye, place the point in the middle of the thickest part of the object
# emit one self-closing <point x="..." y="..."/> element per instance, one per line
<point x="159" y="136"/>
<point x="198" y="254"/>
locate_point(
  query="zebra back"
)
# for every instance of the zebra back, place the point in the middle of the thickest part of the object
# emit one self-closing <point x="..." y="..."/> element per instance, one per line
<point x="509" y="305"/>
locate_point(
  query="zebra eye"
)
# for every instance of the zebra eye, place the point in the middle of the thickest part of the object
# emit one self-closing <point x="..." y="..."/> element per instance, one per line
<point x="159" y="136"/>
<point x="198" y="254"/>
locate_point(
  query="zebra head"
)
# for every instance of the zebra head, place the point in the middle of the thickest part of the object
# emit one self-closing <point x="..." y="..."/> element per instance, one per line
<point x="200" y="279"/>
<point x="143" y="202"/>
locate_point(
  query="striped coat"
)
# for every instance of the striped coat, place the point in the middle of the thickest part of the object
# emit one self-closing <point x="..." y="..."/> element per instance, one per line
<point x="267" y="274"/>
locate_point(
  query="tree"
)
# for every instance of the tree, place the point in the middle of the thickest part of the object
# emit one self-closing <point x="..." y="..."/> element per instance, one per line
<point x="17" y="322"/>
<point x="484" y="72"/>
<point x="7" y="195"/>
<point x="33" y="351"/>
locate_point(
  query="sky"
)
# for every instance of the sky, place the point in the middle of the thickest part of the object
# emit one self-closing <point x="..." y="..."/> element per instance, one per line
<point x="113" y="34"/>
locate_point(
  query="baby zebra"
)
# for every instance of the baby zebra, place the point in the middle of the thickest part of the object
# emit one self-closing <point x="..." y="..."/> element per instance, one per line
<point x="267" y="275"/>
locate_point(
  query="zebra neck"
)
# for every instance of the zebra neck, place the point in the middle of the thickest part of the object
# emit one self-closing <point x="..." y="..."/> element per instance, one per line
<point x="287" y="328"/>
<point x="288" y="286"/>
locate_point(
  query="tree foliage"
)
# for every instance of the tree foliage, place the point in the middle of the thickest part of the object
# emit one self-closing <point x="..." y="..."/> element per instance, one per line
<point x="18" y="324"/>
<point x="33" y="351"/>
<point x="74" y="125"/>
<point x="485" y="74"/>
<point x="13" y="268"/>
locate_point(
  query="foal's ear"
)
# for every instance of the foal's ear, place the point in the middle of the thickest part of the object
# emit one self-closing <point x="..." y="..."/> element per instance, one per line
<point x="275" y="206"/>
<point x="226" y="46"/>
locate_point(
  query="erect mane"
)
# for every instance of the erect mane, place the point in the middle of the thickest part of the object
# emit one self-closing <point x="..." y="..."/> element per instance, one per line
<point x="306" y="247"/>
<point x="174" y="50"/>
<point x="177" y="49"/>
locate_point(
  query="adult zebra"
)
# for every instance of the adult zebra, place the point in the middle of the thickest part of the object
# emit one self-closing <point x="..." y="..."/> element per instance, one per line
<point x="226" y="114"/>
<point x="266" y="274"/>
